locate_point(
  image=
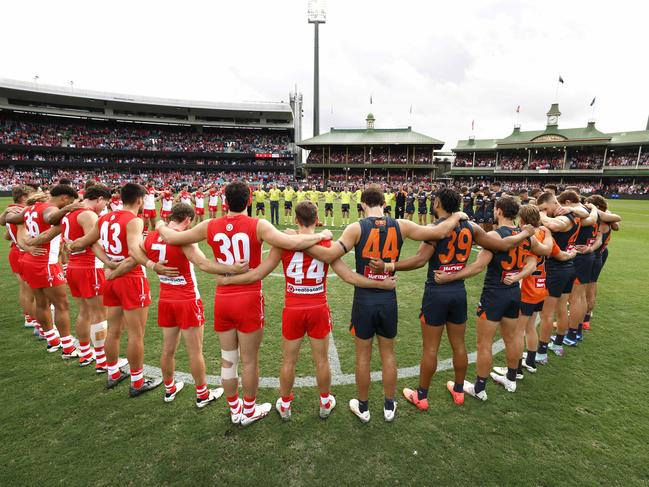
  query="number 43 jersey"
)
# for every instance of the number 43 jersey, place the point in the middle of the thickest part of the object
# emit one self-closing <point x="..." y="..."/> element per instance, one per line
<point x="112" y="236"/>
<point x="306" y="278"/>
<point x="234" y="238"/>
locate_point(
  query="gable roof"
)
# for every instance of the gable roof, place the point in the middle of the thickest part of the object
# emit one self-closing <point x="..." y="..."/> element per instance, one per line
<point x="397" y="136"/>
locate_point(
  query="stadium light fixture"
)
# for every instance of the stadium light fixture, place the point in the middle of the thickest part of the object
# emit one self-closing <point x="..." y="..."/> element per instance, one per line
<point x="316" y="15"/>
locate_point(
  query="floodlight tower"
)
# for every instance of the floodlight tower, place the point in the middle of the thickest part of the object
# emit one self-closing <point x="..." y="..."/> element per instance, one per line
<point x="316" y="15"/>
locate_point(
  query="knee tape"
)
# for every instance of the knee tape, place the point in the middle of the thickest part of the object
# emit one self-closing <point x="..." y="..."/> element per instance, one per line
<point x="231" y="356"/>
<point x="96" y="329"/>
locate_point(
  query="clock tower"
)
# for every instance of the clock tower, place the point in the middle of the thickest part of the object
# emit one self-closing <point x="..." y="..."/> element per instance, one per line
<point x="553" y="116"/>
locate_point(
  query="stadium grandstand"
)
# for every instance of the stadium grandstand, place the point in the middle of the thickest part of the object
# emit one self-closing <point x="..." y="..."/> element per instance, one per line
<point x="45" y="129"/>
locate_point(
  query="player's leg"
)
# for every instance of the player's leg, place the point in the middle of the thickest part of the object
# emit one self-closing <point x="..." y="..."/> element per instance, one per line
<point x="193" y="338"/>
<point x="58" y="297"/>
<point x="229" y="376"/>
<point x="320" y="353"/>
<point x="550" y="308"/>
<point x="135" y="323"/>
<point x="578" y="309"/>
<point x="44" y="317"/>
<point x="510" y="330"/>
<point x="591" y="299"/>
<point x="290" y="354"/>
<point x="563" y="321"/>
<point x="531" y="340"/>
<point x="82" y="330"/>
<point x="115" y="322"/>
<point x="363" y="358"/>
<point x="170" y="340"/>
<point x="388" y="372"/>
<point x="431" y="337"/>
<point x="485" y="331"/>
<point x="249" y="349"/>
<point x="27" y="302"/>
<point x="456" y="337"/>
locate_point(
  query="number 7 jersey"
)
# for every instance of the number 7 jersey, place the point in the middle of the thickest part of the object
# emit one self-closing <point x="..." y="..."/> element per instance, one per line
<point x="234" y="238"/>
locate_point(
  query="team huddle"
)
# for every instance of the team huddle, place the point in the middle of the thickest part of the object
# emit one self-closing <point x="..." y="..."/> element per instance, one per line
<point x="542" y="260"/>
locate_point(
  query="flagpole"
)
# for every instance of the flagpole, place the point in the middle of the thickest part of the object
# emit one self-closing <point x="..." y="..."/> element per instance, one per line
<point x="556" y="92"/>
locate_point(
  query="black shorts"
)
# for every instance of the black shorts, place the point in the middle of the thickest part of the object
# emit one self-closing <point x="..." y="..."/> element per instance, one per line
<point x="421" y="210"/>
<point x="489" y="217"/>
<point x="345" y="207"/>
<point x="359" y="207"/>
<point x="496" y="304"/>
<point x="432" y="208"/>
<point x="480" y="217"/>
<point x="528" y="309"/>
<point x="261" y="206"/>
<point x="387" y="208"/>
<point x="600" y="260"/>
<point x="374" y="319"/>
<point x="410" y="210"/>
<point x="559" y="280"/>
<point x="584" y="268"/>
<point x="329" y="207"/>
<point x="441" y="305"/>
<point x="288" y="205"/>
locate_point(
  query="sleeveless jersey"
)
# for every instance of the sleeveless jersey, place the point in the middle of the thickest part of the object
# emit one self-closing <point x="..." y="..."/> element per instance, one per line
<point x="479" y="203"/>
<point x="588" y="235"/>
<point x="410" y="199"/>
<point x="199" y="197"/>
<point x="451" y="254"/>
<point x="533" y="287"/>
<point x="35" y="225"/>
<point x="167" y="201"/>
<point x="234" y="238"/>
<point x="306" y="278"/>
<point x="606" y="238"/>
<point x="503" y="263"/>
<point x="115" y="204"/>
<point x="149" y="199"/>
<point x="72" y="230"/>
<point x="185" y="198"/>
<point x="213" y="198"/>
<point x="380" y="239"/>
<point x="179" y="288"/>
<point x="112" y="237"/>
<point x="565" y="241"/>
<point x="12" y="230"/>
<point x="421" y="200"/>
<point x="467" y="204"/>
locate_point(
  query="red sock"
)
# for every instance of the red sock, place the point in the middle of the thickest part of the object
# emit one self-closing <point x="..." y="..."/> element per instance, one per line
<point x="170" y="386"/>
<point x="113" y="370"/>
<point x="249" y="405"/>
<point x="233" y="402"/>
<point x="137" y="378"/>
<point x="85" y="352"/>
<point x="324" y="400"/>
<point x="100" y="358"/>
<point x="202" y="392"/>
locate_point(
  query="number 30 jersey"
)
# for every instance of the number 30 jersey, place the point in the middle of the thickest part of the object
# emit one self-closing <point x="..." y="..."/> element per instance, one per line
<point x="451" y="254"/>
<point x="306" y="278"/>
<point x="234" y="238"/>
<point x="112" y="236"/>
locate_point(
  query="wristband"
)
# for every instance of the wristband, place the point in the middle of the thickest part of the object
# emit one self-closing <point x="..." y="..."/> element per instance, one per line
<point x="150" y="264"/>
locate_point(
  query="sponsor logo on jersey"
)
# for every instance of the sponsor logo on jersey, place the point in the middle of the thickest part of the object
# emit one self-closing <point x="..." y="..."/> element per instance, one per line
<point x="229" y="227"/>
<point x="451" y="268"/>
<point x="172" y="281"/>
<point x="539" y="282"/>
<point x="291" y="288"/>
<point x="380" y="276"/>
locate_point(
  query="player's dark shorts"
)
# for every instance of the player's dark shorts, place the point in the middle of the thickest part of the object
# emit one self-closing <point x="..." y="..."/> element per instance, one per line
<point x="559" y="280"/>
<point x="496" y="304"/>
<point x="598" y="265"/>
<point x="432" y="208"/>
<point x="387" y="209"/>
<point x="480" y="217"/>
<point x="260" y="206"/>
<point x="410" y="209"/>
<point x="584" y="268"/>
<point x="345" y="207"/>
<point x="489" y="217"/>
<point x="359" y="207"/>
<point x="528" y="309"/>
<point x="421" y="210"/>
<point x="374" y="319"/>
<point x="288" y="205"/>
<point x="329" y="207"/>
<point x="441" y="305"/>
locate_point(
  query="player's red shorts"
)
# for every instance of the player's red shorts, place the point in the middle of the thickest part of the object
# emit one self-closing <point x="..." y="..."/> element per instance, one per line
<point x="128" y="292"/>
<point x="42" y="275"/>
<point x="200" y="211"/>
<point x="165" y="213"/>
<point x="149" y="213"/>
<point x="182" y="314"/>
<point x="314" y="322"/>
<point x="15" y="260"/>
<point x="239" y="311"/>
<point x="213" y="208"/>
<point x="85" y="282"/>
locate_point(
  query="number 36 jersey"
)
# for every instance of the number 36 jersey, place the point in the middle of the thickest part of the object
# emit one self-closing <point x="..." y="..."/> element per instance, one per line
<point x="306" y="278"/>
<point x="234" y="238"/>
<point x="112" y="237"/>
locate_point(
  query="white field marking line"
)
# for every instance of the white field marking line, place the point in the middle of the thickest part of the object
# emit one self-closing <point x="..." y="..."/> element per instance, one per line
<point x="336" y="378"/>
<point x="334" y="358"/>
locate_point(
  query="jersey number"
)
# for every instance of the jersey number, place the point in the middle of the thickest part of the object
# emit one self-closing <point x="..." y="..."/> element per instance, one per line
<point x="32" y="226"/>
<point x="295" y="269"/>
<point x="459" y="246"/>
<point x="232" y="250"/>
<point x="372" y="250"/>
<point x="114" y="246"/>
<point x="515" y="258"/>
<point x="162" y="251"/>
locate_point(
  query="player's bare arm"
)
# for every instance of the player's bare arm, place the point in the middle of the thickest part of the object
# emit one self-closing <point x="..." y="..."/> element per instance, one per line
<point x="355" y="279"/>
<point x="53" y="215"/>
<point x="527" y="270"/>
<point x="196" y="256"/>
<point x="187" y="237"/>
<point x="136" y="250"/>
<point x="591" y="219"/>
<point x="605" y="216"/>
<point x="87" y="240"/>
<point x="414" y="231"/>
<point x="124" y="267"/>
<point x="344" y="244"/>
<point x="492" y="241"/>
<point x="417" y="261"/>
<point x="22" y="237"/>
<point x="44" y="237"/>
<point x="474" y="268"/>
<point x="14" y="215"/>
<point x="266" y="232"/>
<point x="556" y="224"/>
<point x="542" y="248"/>
<point x="257" y="274"/>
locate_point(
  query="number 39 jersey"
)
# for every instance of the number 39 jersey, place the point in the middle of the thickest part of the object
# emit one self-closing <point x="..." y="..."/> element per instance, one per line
<point x="234" y="238"/>
<point x="451" y="254"/>
<point x="112" y="237"/>
<point x="503" y="263"/>
<point x="306" y="278"/>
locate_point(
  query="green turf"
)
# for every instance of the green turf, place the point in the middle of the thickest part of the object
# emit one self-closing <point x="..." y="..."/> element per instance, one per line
<point x="580" y="420"/>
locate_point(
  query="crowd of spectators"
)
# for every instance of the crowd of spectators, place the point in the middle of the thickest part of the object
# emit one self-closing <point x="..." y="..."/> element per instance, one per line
<point x="622" y="158"/>
<point x="546" y="163"/>
<point x="586" y="161"/>
<point x="485" y="161"/>
<point x="377" y="155"/>
<point x="512" y="163"/>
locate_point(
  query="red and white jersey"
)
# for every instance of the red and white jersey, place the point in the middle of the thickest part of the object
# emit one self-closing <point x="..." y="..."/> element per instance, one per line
<point x="12" y="229"/>
<point x="214" y="198"/>
<point x="185" y="198"/>
<point x="306" y="278"/>
<point x="112" y="237"/>
<point x="149" y="199"/>
<point x="199" y="198"/>
<point x="167" y="200"/>
<point x="72" y="230"/>
<point x="115" y="204"/>
<point x="181" y="287"/>
<point x="234" y="238"/>
<point x="224" y="200"/>
<point x="35" y="225"/>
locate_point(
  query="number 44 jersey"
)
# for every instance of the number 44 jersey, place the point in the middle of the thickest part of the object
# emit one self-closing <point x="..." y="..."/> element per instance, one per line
<point x="306" y="278"/>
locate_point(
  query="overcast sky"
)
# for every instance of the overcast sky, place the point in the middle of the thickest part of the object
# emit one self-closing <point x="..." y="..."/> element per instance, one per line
<point x="454" y="62"/>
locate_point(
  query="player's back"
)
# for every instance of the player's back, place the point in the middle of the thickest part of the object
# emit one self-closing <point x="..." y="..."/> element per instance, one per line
<point x="533" y="287"/>
<point x="35" y="224"/>
<point x="113" y="238"/>
<point x="234" y="238"/>
<point x="566" y="241"/>
<point x="380" y="239"/>
<point x="506" y="262"/>
<point x="71" y="230"/>
<point x="184" y="286"/>
<point x="306" y="278"/>
<point x="12" y="228"/>
<point x="451" y="254"/>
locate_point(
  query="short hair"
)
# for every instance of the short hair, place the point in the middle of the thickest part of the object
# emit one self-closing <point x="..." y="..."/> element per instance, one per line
<point x="90" y="183"/>
<point x="306" y="213"/>
<point x="63" y="190"/>
<point x="36" y="197"/>
<point x="599" y="201"/>
<point x="508" y="205"/>
<point x="96" y="191"/>
<point x="530" y="215"/>
<point x="536" y="191"/>
<point x="130" y="192"/>
<point x="544" y="197"/>
<point x="237" y="194"/>
<point x="181" y="211"/>
<point x="496" y="183"/>
<point x="553" y="187"/>
<point x="523" y="190"/>
<point x="65" y="181"/>
<point x="569" y="196"/>
<point x="573" y="188"/>
<point x="464" y="189"/>
<point x="449" y="199"/>
<point x="373" y="196"/>
<point x="21" y="191"/>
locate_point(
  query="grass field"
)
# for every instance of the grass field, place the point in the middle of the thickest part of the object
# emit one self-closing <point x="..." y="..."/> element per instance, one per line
<point x="582" y="420"/>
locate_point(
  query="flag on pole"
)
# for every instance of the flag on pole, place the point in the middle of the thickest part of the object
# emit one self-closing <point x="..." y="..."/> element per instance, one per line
<point x="518" y="109"/>
<point x="411" y="109"/>
<point x="561" y="79"/>
<point x="370" y="99"/>
<point x="593" y="102"/>
<point x="472" y="124"/>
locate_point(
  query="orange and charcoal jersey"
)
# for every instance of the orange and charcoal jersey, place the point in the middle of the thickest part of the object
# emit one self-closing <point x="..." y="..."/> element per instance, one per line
<point x="533" y="288"/>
